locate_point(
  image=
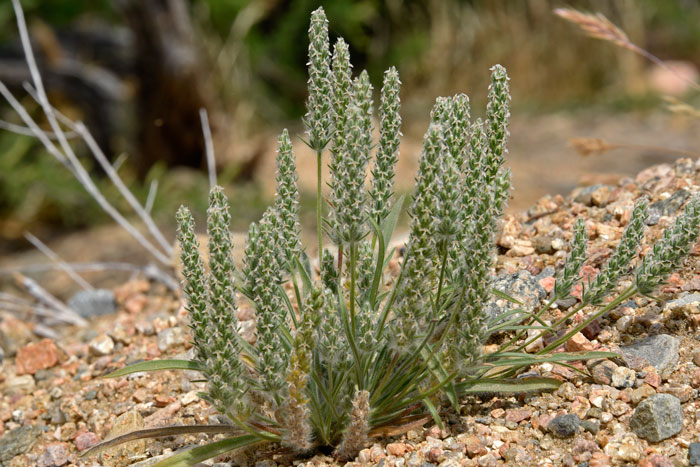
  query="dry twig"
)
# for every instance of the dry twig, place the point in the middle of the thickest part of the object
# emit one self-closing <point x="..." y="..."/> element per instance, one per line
<point x="209" y="146"/>
<point x="596" y="146"/>
<point x="66" y="155"/>
<point x="61" y="311"/>
<point x="65" y="267"/>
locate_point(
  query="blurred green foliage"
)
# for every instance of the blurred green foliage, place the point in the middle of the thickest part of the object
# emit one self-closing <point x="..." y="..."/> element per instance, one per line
<point x="257" y="49"/>
<point x="60" y="13"/>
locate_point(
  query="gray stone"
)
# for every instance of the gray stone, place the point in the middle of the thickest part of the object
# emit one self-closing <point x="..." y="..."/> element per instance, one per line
<point x="687" y="306"/>
<point x="660" y="351"/>
<point x="564" y="426"/>
<point x="89" y="303"/>
<point x="543" y="245"/>
<point x="690" y="299"/>
<point x="590" y="426"/>
<point x="170" y="337"/>
<point x="666" y="207"/>
<point x="657" y="417"/>
<point x="585" y="195"/>
<point x="18" y="441"/>
<point x="522" y="286"/>
<point x="58" y="417"/>
<point x="694" y="453"/>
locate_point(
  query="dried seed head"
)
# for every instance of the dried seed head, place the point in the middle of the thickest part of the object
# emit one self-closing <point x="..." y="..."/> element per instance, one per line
<point x="355" y="436"/>
<point x="596" y="26"/>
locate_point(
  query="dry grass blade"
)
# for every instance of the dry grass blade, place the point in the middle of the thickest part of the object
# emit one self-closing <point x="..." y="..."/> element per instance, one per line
<point x="65" y="154"/>
<point x="42" y="247"/>
<point x="209" y="147"/>
<point x="25" y="131"/>
<point x="61" y="311"/>
<point x="597" y="26"/>
<point x="151" y="271"/>
<point x="675" y="106"/>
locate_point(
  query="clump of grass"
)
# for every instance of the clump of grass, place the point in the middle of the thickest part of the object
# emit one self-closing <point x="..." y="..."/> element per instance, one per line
<point x="348" y="357"/>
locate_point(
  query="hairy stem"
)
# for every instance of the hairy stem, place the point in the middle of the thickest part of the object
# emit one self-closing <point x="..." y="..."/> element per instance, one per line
<point x="353" y="280"/>
<point x="319" y="201"/>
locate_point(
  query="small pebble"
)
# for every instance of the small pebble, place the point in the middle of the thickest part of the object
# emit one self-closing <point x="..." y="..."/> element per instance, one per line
<point x="623" y="377"/>
<point x="86" y="440"/>
<point x="101" y="345"/>
<point x="55" y="455"/>
<point x="564" y="426"/>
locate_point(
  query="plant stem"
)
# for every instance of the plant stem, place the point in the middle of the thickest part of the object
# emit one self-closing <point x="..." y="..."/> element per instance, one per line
<point x="319" y="201"/>
<point x="390" y="301"/>
<point x="442" y="276"/>
<point x="340" y="260"/>
<point x="353" y="274"/>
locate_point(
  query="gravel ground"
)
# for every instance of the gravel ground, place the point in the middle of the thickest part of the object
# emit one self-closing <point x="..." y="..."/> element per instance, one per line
<point x="640" y="409"/>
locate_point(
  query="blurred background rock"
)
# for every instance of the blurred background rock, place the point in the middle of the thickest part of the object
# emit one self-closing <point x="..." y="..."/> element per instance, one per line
<point x="137" y="73"/>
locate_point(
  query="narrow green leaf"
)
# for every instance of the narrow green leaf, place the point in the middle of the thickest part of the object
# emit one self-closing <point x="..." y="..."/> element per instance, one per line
<point x="509" y="386"/>
<point x="508" y="314"/>
<point x="519" y="359"/>
<point x="290" y="308"/>
<point x="433" y="411"/>
<point x="305" y="276"/>
<point x="518" y="327"/>
<point x="392" y="219"/>
<point x="507" y="297"/>
<point x="202" y="453"/>
<point x="156" y="365"/>
<point x="172" y="430"/>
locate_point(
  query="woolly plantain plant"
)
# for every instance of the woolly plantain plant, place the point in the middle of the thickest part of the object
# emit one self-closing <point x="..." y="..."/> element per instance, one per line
<point x="348" y="354"/>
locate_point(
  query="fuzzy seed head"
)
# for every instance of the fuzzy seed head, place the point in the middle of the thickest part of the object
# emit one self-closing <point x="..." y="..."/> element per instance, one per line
<point x="577" y="256"/>
<point x="669" y="251"/>
<point x="620" y="260"/>
<point x="384" y="168"/>
<point x="317" y="119"/>
<point x="288" y="199"/>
